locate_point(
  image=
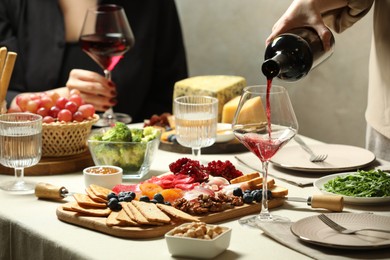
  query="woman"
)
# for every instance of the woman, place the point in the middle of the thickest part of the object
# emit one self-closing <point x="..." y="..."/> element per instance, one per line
<point x="45" y="36"/>
<point x="339" y="15"/>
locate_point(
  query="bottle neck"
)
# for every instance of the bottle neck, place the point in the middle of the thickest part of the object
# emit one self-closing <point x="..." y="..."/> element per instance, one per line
<point x="274" y="66"/>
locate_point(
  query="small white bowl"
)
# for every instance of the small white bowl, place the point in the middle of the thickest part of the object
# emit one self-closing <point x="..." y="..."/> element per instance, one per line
<point x="103" y="175"/>
<point x="224" y="133"/>
<point x="198" y="248"/>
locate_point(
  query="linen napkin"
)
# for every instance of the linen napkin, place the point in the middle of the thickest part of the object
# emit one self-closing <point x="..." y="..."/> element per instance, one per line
<point x="300" y="179"/>
<point x="280" y="232"/>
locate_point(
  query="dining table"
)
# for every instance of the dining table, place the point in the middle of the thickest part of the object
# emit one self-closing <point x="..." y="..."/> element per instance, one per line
<point x="30" y="228"/>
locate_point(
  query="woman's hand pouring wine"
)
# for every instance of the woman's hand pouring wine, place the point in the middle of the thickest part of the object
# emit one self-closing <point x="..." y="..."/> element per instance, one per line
<point x="94" y="88"/>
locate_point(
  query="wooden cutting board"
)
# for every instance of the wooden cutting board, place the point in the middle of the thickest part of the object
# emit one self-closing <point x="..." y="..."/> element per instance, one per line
<point x="99" y="223"/>
<point x="55" y="165"/>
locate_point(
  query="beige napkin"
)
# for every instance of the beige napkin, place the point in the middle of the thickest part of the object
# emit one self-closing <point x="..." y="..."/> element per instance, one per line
<point x="295" y="177"/>
<point x="280" y="231"/>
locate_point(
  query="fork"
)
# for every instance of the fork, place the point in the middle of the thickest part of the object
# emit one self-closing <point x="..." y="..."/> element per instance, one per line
<point x="313" y="157"/>
<point x="344" y="230"/>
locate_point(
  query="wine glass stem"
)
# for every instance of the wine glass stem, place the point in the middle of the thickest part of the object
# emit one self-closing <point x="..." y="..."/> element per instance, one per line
<point x="109" y="113"/>
<point x="19" y="175"/>
<point x="264" y="202"/>
<point x="196" y="154"/>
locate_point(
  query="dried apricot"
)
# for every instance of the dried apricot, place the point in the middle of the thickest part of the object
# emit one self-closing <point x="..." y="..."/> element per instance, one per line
<point x="149" y="189"/>
<point x="171" y="195"/>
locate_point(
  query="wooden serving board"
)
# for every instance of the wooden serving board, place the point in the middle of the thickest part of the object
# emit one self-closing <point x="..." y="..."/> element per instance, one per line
<point x="55" y="165"/>
<point x="233" y="146"/>
<point x="99" y="223"/>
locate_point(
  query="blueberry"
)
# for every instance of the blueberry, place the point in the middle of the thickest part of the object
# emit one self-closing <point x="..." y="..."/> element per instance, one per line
<point x="121" y="194"/>
<point x="269" y="194"/>
<point x="247" y="198"/>
<point x="127" y="198"/>
<point x="167" y="203"/>
<point x="257" y="195"/>
<point x="159" y="198"/>
<point x="171" y="138"/>
<point x="111" y="195"/>
<point x="237" y="192"/>
<point x="247" y="191"/>
<point x="154" y="201"/>
<point x="113" y="204"/>
<point x="132" y="194"/>
<point x="144" y="199"/>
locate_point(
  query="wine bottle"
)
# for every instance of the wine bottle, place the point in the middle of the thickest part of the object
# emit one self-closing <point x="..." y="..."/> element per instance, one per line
<point x="291" y="55"/>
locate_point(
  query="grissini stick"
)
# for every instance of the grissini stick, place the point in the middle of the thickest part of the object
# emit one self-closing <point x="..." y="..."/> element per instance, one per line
<point x="3" y="56"/>
<point x="6" y="74"/>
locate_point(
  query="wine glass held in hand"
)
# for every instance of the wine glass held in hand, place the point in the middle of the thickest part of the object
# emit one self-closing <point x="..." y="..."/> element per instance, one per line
<point x="106" y="36"/>
<point x="196" y="120"/>
<point x="264" y="122"/>
<point x="21" y="147"/>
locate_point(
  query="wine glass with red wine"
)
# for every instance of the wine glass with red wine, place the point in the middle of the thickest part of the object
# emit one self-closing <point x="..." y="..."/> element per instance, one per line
<point x="264" y="122"/>
<point x="106" y="36"/>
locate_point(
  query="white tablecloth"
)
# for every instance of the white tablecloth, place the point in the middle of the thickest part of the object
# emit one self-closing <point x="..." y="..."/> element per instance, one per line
<point x="29" y="228"/>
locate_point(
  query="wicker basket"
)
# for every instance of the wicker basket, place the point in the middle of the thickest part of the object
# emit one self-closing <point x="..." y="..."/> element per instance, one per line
<point x="64" y="139"/>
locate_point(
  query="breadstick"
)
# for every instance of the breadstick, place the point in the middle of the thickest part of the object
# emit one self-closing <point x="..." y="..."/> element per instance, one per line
<point x="6" y="74"/>
<point x="3" y="55"/>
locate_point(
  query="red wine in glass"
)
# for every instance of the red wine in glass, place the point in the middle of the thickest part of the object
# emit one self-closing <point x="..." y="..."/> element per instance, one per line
<point x="271" y="124"/>
<point x="106" y="36"/>
<point x="107" y="49"/>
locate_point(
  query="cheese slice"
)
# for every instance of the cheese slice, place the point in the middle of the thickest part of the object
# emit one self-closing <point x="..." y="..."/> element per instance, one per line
<point x="223" y="87"/>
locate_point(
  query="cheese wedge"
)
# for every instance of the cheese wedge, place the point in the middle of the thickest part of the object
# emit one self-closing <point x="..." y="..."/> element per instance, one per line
<point x="252" y="112"/>
<point x="223" y="87"/>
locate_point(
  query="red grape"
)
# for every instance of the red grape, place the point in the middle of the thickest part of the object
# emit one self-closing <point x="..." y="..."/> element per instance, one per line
<point x="60" y="103"/>
<point x="53" y="112"/>
<point x="48" y="119"/>
<point x="64" y="115"/>
<point x="32" y="106"/>
<point x="78" y="116"/>
<point x="87" y="110"/>
<point x="71" y="106"/>
<point x="22" y="101"/>
<point x="76" y="99"/>
<point x="46" y="102"/>
<point x="43" y="111"/>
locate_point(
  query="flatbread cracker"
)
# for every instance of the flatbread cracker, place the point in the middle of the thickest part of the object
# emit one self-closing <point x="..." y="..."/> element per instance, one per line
<point x="94" y="212"/>
<point x="124" y="218"/>
<point x="94" y="197"/>
<point x="151" y="212"/>
<point x="85" y="201"/>
<point x="100" y="191"/>
<point x="176" y="213"/>
<point x="112" y="220"/>
<point x="137" y="215"/>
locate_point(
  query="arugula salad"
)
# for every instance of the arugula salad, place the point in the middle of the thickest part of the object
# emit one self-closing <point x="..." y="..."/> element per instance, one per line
<point x="372" y="183"/>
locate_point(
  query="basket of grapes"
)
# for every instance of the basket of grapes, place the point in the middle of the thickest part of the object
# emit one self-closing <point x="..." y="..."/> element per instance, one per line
<point x="67" y="121"/>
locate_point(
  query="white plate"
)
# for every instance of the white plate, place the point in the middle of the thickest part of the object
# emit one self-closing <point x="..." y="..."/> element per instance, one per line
<point x="340" y="158"/>
<point x="222" y="135"/>
<point x="319" y="184"/>
<point x="313" y="230"/>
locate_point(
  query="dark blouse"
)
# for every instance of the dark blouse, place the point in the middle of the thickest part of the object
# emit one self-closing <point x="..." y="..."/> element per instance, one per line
<point x="144" y="77"/>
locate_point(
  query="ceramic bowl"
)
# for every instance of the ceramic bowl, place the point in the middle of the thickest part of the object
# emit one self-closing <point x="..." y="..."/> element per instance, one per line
<point x="180" y="246"/>
<point x="104" y="175"/>
<point x="224" y="133"/>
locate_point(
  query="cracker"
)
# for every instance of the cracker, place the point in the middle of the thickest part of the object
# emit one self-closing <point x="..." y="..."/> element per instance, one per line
<point x="100" y="191"/>
<point x="151" y="212"/>
<point x="85" y="201"/>
<point x="125" y="218"/>
<point x="176" y="213"/>
<point x="94" y="212"/>
<point x="137" y="215"/>
<point x="93" y="196"/>
<point x="112" y="219"/>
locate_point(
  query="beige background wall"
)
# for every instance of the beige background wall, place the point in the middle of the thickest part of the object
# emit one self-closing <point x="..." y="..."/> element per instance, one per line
<point x="227" y="37"/>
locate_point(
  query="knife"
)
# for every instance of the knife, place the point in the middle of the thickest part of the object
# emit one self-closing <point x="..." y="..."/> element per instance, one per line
<point x="330" y="202"/>
<point x="49" y="191"/>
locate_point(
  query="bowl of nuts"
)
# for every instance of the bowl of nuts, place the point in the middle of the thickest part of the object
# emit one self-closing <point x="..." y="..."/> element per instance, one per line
<point x="198" y="240"/>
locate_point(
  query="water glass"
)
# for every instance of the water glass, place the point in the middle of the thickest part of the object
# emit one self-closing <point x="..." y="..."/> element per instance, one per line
<point x="196" y="119"/>
<point x="21" y="147"/>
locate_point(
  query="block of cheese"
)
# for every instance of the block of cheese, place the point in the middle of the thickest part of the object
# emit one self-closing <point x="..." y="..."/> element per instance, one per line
<point x="229" y="109"/>
<point x="252" y="112"/>
<point x="223" y="87"/>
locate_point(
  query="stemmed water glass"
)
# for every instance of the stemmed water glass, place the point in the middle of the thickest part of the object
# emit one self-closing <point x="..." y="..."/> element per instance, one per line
<point x="106" y="36"/>
<point x="21" y="147"/>
<point x="196" y="120"/>
<point x="264" y="122"/>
